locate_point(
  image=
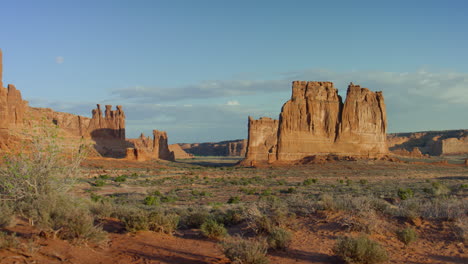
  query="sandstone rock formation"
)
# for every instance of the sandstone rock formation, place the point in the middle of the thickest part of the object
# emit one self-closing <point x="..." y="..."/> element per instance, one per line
<point x="262" y="141"/>
<point x="434" y="143"/>
<point x="224" y="148"/>
<point x="179" y="153"/>
<point x="145" y="148"/>
<point x="106" y="132"/>
<point x="316" y="122"/>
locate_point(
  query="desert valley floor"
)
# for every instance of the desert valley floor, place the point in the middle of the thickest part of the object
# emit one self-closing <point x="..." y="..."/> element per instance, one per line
<point x="317" y="203"/>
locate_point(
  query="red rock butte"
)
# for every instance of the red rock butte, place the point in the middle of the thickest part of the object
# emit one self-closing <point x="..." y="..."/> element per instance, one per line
<point x="316" y="122"/>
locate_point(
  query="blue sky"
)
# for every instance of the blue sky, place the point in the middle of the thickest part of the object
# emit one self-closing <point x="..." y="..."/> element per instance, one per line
<point x="197" y="69"/>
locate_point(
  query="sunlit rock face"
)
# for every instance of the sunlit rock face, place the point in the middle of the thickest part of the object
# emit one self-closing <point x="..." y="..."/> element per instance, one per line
<point x="316" y="122"/>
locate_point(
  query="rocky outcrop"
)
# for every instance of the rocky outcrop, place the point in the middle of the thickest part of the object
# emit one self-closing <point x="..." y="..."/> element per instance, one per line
<point x="105" y="131"/>
<point x="263" y="140"/>
<point x="434" y="143"/>
<point x="179" y="153"/>
<point x="160" y="146"/>
<point x="316" y="122"/>
<point x="146" y="148"/>
<point x="224" y="148"/>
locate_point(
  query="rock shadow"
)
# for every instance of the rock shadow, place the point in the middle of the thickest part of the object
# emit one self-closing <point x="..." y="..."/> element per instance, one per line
<point x="109" y="143"/>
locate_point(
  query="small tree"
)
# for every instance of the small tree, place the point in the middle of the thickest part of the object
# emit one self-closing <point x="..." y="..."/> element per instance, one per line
<point x="44" y="166"/>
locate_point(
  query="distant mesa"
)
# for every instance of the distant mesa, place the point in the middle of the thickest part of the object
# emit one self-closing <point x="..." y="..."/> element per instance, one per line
<point x="433" y="143"/>
<point x="105" y="130"/>
<point x="224" y="148"/>
<point x="316" y="122"/>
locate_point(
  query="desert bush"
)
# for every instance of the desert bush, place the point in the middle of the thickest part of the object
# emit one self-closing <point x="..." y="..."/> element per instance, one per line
<point x="152" y="200"/>
<point x="79" y="225"/>
<point x="245" y="251"/>
<point x="308" y="182"/>
<point x="102" y="208"/>
<point x="366" y="222"/>
<point x="234" y="200"/>
<point x="6" y="215"/>
<point x="195" y="218"/>
<point x="121" y="178"/>
<point x="66" y="216"/>
<point x="134" y="219"/>
<point x="439" y="189"/>
<point x="43" y="166"/>
<point x="359" y="250"/>
<point x="163" y="222"/>
<point x="212" y="229"/>
<point x="301" y="205"/>
<point x="263" y="216"/>
<point x="405" y="194"/>
<point x="8" y="241"/>
<point x="445" y="209"/>
<point x="407" y="235"/>
<point x="279" y="238"/>
<point x="99" y="183"/>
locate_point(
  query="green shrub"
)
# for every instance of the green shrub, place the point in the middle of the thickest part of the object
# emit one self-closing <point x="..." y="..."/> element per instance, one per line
<point x="279" y="238"/>
<point x="266" y="192"/>
<point x="104" y="177"/>
<point x="359" y="250"/>
<point x="407" y="235"/>
<point x="152" y="200"/>
<point x="121" y="178"/>
<point x="405" y="194"/>
<point x="212" y="229"/>
<point x="245" y="251"/>
<point x="234" y="200"/>
<point x="99" y="183"/>
<point x="308" y="182"/>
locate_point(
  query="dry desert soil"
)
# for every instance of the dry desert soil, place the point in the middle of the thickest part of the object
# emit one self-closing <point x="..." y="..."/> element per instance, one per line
<point x="318" y="203"/>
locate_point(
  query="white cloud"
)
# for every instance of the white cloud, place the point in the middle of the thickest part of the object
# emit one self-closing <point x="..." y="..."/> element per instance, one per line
<point x="233" y="103"/>
<point x="59" y="59"/>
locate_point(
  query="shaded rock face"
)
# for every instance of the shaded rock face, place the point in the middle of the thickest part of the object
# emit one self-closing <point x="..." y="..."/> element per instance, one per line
<point x="160" y="146"/>
<point x="434" y="143"/>
<point x="146" y="148"/>
<point x="224" y="148"/>
<point x="316" y="122"/>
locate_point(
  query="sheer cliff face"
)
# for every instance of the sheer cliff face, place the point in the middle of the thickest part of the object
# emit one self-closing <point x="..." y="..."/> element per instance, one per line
<point x="262" y="140"/>
<point x="363" y="128"/>
<point x="308" y="122"/>
<point x="315" y="122"/>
